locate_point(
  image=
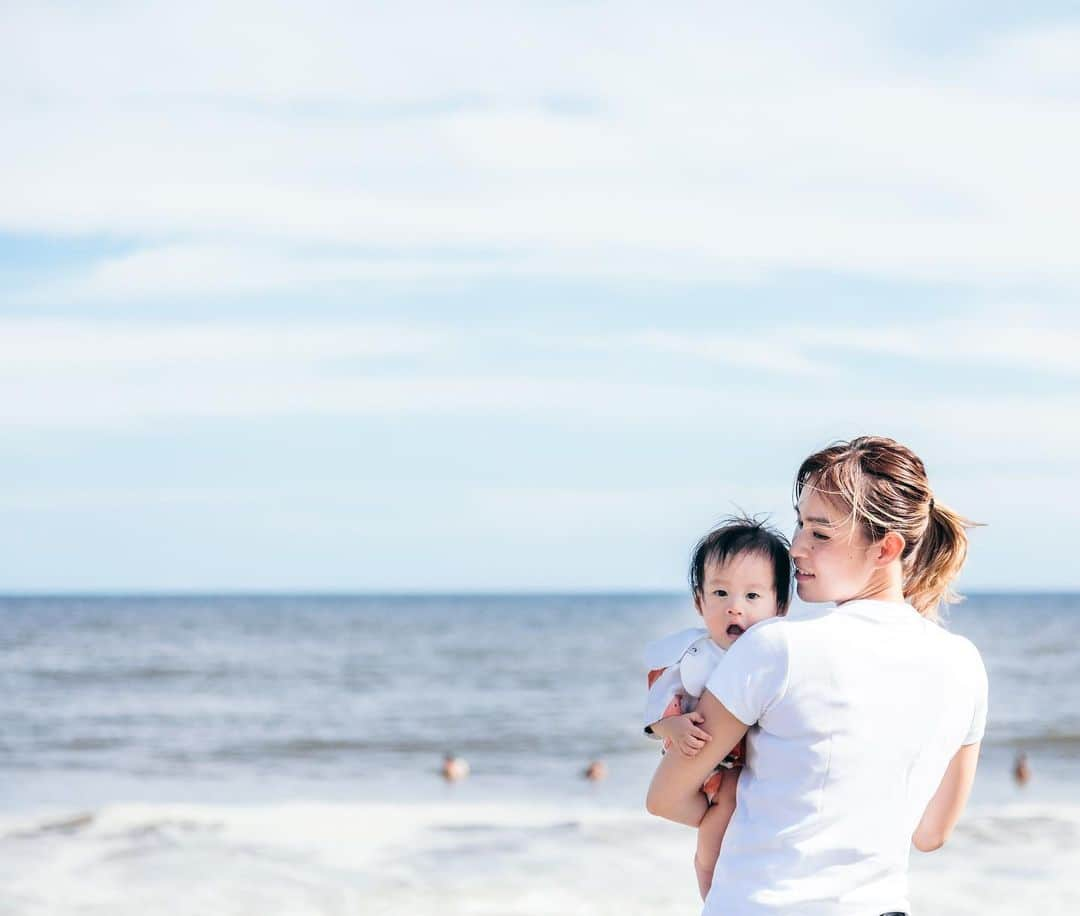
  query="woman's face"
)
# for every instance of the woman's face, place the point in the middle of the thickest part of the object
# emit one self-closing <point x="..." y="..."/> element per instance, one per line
<point x="833" y="558"/>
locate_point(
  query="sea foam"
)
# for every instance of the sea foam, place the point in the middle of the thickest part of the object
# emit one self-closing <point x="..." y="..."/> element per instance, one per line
<point x="326" y="859"/>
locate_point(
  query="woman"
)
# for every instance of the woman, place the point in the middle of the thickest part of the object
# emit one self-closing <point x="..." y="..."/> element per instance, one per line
<point x="868" y="715"/>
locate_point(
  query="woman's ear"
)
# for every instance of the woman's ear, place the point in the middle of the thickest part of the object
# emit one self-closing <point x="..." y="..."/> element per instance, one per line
<point x="889" y="548"/>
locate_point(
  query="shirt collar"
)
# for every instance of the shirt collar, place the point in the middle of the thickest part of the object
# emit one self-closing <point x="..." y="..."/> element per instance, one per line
<point x="872" y="607"/>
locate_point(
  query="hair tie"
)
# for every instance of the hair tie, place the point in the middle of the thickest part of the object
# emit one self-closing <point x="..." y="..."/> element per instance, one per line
<point x="931" y="509"/>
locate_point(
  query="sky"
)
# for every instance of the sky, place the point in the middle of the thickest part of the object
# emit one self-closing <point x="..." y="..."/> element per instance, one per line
<point x="523" y="296"/>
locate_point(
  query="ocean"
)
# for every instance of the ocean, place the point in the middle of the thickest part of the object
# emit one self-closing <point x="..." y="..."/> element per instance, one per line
<point x="280" y="755"/>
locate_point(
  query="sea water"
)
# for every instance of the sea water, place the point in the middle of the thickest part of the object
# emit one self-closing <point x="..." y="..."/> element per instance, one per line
<point x="280" y="755"/>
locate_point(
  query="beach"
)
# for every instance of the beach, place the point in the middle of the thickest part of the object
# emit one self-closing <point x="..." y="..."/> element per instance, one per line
<point x="280" y="755"/>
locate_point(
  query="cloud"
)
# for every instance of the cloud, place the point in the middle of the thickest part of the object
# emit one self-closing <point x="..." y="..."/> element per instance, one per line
<point x="86" y="376"/>
<point x="1025" y="338"/>
<point x="190" y="272"/>
<point x="78" y="350"/>
<point x="775" y="350"/>
<point x="1007" y="342"/>
<point x="122" y="399"/>
<point x="132" y="499"/>
<point x="717" y="143"/>
<point x="83" y="373"/>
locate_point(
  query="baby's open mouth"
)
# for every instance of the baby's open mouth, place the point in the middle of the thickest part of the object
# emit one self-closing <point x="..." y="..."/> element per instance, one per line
<point x="735" y="630"/>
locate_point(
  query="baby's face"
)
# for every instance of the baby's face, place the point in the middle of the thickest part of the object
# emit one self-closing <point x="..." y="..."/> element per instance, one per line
<point x="735" y="596"/>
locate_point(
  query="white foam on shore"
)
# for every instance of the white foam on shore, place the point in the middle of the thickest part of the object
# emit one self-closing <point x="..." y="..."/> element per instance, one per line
<point x="461" y="858"/>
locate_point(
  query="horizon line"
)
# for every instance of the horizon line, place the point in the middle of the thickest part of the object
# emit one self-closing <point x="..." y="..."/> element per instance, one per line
<point x="464" y="593"/>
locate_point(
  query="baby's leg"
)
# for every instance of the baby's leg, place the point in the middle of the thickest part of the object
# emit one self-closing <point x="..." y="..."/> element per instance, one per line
<point x="712" y="829"/>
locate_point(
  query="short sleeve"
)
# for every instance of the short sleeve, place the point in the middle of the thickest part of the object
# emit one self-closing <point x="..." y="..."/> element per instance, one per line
<point x="981" y="688"/>
<point x="753" y="674"/>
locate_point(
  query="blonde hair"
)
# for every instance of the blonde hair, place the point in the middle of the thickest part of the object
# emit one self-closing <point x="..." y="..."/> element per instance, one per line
<point x="884" y="487"/>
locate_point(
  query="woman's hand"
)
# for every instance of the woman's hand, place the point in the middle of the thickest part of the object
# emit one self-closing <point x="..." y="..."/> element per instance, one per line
<point x="675" y="792"/>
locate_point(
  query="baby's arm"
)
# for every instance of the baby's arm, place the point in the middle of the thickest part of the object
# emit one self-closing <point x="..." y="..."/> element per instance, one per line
<point x="683" y="732"/>
<point x="712" y="829"/>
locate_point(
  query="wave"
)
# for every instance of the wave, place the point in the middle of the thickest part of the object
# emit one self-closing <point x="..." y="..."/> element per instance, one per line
<point x="1003" y="819"/>
<point x="521" y="745"/>
<point x="83" y="677"/>
<point x="461" y="857"/>
<point x="1047" y="741"/>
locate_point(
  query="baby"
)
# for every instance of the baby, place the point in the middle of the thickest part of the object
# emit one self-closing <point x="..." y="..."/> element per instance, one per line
<point x="740" y="573"/>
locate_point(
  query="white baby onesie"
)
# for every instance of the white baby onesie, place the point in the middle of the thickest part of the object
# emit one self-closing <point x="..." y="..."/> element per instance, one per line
<point x="684" y="660"/>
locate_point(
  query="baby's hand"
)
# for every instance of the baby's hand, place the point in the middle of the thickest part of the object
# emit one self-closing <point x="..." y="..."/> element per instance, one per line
<point x="686" y="735"/>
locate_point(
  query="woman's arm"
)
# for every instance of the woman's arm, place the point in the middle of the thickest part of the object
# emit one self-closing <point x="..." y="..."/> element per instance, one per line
<point x="675" y="791"/>
<point x="944" y="809"/>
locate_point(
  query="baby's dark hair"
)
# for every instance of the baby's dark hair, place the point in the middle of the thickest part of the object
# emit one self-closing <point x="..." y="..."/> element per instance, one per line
<point x="743" y="534"/>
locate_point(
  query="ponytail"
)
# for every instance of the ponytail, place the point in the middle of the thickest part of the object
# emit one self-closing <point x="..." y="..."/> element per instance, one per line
<point x="936" y="561"/>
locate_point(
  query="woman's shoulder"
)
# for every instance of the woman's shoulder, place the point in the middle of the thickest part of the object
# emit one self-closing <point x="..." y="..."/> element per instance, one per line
<point x="803" y="621"/>
<point x="951" y="642"/>
<point x="965" y="652"/>
<point x="769" y="636"/>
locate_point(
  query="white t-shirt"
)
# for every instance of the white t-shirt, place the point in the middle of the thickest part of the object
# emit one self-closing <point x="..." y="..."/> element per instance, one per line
<point x="858" y="711"/>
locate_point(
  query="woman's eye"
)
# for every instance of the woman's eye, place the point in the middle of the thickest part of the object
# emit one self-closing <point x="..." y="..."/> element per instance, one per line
<point x="752" y="595"/>
<point x="820" y="536"/>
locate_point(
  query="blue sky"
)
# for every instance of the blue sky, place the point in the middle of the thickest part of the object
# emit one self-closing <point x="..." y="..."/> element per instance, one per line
<point x="523" y="296"/>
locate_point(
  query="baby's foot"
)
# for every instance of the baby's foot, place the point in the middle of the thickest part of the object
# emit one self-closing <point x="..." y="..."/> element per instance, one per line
<point x="704" y="877"/>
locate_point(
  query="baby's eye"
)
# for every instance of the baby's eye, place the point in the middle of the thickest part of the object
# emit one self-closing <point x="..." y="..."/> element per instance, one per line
<point x="720" y="593"/>
<point x="752" y="595"/>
